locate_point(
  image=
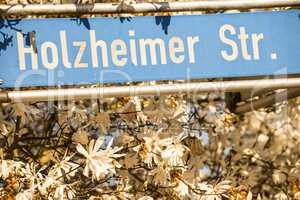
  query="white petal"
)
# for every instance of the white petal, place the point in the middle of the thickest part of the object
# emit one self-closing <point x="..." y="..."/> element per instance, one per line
<point x="98" y="144"/>
<point x="86" y="171"/>
<point x="110" y="143"/>
<point x="4" y="169"/>
<point x="249" y="196"/>
<point x="91" y="146"/>
<point x="81" y="150"/>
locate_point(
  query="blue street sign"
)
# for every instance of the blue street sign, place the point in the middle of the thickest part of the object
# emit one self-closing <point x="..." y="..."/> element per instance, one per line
<point x="48" y="52"/>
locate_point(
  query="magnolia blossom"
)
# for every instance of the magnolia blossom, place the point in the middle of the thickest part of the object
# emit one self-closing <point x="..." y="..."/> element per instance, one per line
<point x="152" y="148"/>
<point x="34" y="177"/>
<point x="160" y="174"/>
<point x="173" y="153"/>
<point x="47" y="183"/>
<point x="297" y="196"/>
<point x="182" y="189"/>
<point x="9" y="166"/>
<point x="4" y="169"/>
<point x="281" y="196"/>
<point x="63" y="192"/>
<point x="64" y="167"/>
<point x="278" y="177"/>
<point x="214" y="192"/>
<point x="98" y="161"/>
<point x="25" y="195"/>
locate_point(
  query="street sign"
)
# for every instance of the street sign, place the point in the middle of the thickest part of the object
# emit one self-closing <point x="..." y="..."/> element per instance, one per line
<point x="64" y="51"/>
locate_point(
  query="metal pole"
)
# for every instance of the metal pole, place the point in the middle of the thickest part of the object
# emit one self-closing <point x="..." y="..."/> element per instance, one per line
<point x="164" y="89"/>
<point x="269" y="100"/>
<point x="48" y="9"/>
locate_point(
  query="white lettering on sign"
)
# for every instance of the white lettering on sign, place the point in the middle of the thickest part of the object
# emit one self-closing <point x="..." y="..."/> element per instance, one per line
<point x="191" y="46"/>
<point x="137" y="52"/>
<point x="144" y="51"/>
<point x="81" y="50"/>
<point x="132" y="42"/>
<point x="118" y="48"/>
<point x="243" y="37"/>
<point x="22" y="50"/>
<point x="176" y="46"/>
<point x="64" y="49"/>
<point x="94" y="47"/>
<point x="47" y="62"/>
<point x="152" y="44"/>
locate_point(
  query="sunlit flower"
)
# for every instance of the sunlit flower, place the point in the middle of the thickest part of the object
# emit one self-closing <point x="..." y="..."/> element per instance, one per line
<point x="152" y="148"/>
<point x="32" y="176"/>
<point x="4" y="169"/>
<point x="25" y="195"/>
<point x="278" y="177"/>
<point x="281" y="196"/>
<point x="64" y="167"/>
<point x="214" y="192"/>
<point x="64" y="192"/>
<point x="160" y="174"/>
<point x="173" y="153"/>
<point x="98" y="161"/>
<point x="47" y="183"/>
<point x="9" y="166"/>
<point x="297" y="196"/>
<point x="29" y="171"/>
<point x="182" y="189"/>
<point x="223" y="187"/>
